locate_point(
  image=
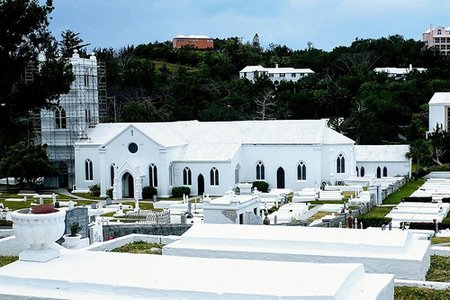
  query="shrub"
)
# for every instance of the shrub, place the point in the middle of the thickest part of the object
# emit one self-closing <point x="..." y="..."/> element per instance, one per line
<point x="374" y="221"/>
<point x="5" y="223"/>
<point x="262" y="186"/>
<point x="75" y="227"/>
<point x="109" y="192"/>
<point x="148" y="192"/>
<point x="178" y="191"/>
<point x="94" y="190"/>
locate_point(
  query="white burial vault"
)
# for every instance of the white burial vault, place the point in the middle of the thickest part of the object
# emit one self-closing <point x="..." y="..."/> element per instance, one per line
<point x="112" y="276"/>
<point x="392" y="252"/>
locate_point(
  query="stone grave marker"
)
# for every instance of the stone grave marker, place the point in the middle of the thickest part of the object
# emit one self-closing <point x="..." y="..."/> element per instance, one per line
<point x="80" y="215"/>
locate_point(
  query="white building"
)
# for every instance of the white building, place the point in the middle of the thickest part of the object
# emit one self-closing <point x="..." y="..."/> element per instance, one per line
<point x="274" y="74"/>
<point x="439" y="111"/>
<point x="61" y="126"/>
<point x="394" y="72"/>
<point x="382" y="161"/>
<point x="211" y="157"/>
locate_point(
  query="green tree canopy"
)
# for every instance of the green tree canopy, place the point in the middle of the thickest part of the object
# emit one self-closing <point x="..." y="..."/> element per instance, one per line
<point x="30" y="75"/>
<point x="26" y="162"/>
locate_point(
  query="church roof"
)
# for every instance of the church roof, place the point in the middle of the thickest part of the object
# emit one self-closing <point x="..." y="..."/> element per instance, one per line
<point x="440" y="98"/>
<point x="221" y="140"/>
<point x="386" y="153"/>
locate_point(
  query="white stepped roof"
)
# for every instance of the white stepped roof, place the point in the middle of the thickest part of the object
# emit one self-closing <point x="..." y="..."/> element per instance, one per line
<point x="381" y="152"/>
<point x="276" y="70"/>
<point x="170" y="134"/>
<point x="440" y="98"/>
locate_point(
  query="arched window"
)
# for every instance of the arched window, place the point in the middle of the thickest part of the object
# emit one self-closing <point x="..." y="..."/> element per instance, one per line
<point x="384" y="172"/>
<point x="153" y="175"/>
<point x="301" y="171"/>
<point x="112" y="174"/>
<point x="363" y="172"/>
<point x="439" y="31"/>
<point x="357" y="172"/>
<point x="88" y="170"/>
<point x="378" y="172"/>
<point x="214" y="176"/>
<point x="260" y="171"/>
<point x="60" y="118"/>
<point x="187" y="176"/>
<point x="340" y="164"/>
<point x="236" y="173"/>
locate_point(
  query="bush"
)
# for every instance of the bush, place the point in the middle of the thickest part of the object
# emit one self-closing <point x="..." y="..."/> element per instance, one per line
<point x="178" y="191"/>
<point x="262" y="186"/>
<point x="148" y="192"/>
<point x="109" y="192"/>
<point x="94" y="190"/>
<point x="374" y="221"/>
<point x="5" y="223"/>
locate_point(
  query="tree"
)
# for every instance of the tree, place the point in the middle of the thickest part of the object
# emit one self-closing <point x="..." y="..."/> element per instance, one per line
<point x="419" y="150"/>
<point x="31" y="77"/>
<point x="440" y="142"/>
<point x="71" y="42"/>
<point x="27" y="163"/>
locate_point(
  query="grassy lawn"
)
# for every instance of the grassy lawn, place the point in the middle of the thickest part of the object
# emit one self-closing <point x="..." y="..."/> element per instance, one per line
<point x="405" y="191"/>
<point x="376" y="212"/>
<point x="89" y="196"/>
<point x="318" y="216"/>
<point x="4" y="260"/>
<point x="140" y="247"/>
<point x="317" y="202"/>
<point x="173" y="67"/>
<point x="415" y="293"/>
<point x="438" y="240"/>
<point x="439" y="269"/>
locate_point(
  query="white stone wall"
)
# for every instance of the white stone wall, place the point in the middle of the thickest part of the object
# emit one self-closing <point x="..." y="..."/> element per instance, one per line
<point x="437" y="116"/>
<point x="402" y="168"/>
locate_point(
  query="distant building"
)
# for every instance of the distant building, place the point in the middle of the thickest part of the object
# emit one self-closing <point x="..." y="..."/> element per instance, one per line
<point x="439" y="111"/>
<point x="394" y="72"/>
<point x="196" y="41"/>
<point x="275" y="74"/>
<point x="439" y="38"/>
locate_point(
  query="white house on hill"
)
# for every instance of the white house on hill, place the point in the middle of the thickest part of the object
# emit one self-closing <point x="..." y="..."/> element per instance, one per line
<point x="211" y="157"/>
<point x="275" y="74"/>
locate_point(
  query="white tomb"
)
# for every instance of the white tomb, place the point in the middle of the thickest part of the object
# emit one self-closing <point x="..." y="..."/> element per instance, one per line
<point x="232" y="209"/>
<point x="130" y="276"/>
<point x="394" y="252"/>
<point x="419" y="212"/>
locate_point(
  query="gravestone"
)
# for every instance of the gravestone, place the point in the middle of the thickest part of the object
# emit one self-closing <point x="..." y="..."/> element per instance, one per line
<point x="78" y="215"/>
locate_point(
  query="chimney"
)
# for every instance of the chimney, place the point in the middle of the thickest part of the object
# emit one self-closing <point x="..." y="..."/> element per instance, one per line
<point x="410" y="67"/>
<point x="276" y="66"/>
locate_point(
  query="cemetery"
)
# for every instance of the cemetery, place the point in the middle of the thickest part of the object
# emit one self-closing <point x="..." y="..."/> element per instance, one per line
<point x="229" y="234"/>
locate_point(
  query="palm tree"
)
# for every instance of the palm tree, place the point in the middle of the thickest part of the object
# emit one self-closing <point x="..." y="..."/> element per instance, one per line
<point x="419" y="150"/>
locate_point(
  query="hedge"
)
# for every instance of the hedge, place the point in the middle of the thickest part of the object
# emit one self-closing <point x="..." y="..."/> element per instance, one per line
<point x="148" y="192"/>
<point x="262" y="186"/>
<point x="179" y="191"/>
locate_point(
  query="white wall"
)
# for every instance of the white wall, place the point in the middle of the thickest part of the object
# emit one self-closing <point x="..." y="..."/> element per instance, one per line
<point x="437" y="116"/>
<point x="402" y="168"/>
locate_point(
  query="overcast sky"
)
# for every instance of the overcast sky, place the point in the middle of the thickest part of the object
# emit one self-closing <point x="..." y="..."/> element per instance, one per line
<point x="294" y="23"/>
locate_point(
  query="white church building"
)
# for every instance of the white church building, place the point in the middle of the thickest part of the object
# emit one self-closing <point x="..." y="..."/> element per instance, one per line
<point x="212" y="157"/>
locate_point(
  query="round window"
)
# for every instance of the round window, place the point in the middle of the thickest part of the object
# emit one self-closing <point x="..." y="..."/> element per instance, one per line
<point x="133" y="147"/>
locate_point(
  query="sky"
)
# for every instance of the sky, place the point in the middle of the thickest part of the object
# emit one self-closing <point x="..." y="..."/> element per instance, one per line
<point x="325" y="23"/>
